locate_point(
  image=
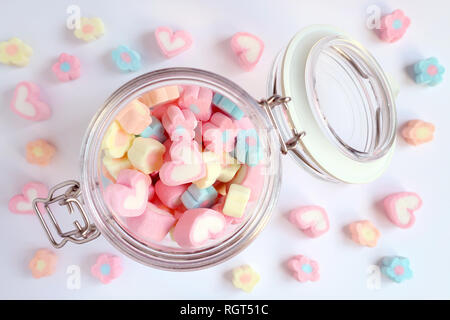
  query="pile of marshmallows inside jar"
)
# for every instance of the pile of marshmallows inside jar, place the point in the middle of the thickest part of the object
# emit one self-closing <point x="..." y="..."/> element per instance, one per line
<point x="183" y="164"/>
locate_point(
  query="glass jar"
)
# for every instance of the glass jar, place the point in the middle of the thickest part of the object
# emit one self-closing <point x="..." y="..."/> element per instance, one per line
<point x="319" y="61"/>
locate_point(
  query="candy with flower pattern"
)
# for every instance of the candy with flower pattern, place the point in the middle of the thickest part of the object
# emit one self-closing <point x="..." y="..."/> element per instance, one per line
<point x="43" y="263"/>
<point x="67" y="68"/>
<point x="40" y="152"/>
<point x="126" y="59"/>
<point x="417" y="132"/>
<point x="396" y="268"/>
<point x="15" y="52"/>
<point x="364" y="233"/>
<point x="393" y="26"/>
<point x="90" y="29"/>
<point x="245" y="278"/>
<point x="304" y="269"/>
<point x="107" y="268"/>
<point x="429" y="72"/>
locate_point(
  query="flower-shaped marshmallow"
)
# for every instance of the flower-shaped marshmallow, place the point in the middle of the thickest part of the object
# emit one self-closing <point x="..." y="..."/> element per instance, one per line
<point x="90" y="29"/>
<point x="245" y="278"/>
<point x="364" y="233"/>
<point x="248" y="148"/>
<point x="416" y="132"/>
<point x="219" y="134"/>
<point x="304" y="269"/>
<point x="126" y="59"/>
<point x="43" y="263"/>
<point x="15" y="52"/>
<point x="67" y="68"/>
<point x="40" y="152"/>
<point x="429" y="72"/>
<point x="393" y="26"/>
<point x="107" y="267"/>
<point x="396" y="268"/>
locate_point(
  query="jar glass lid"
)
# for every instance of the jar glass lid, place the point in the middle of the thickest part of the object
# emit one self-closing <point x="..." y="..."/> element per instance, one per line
<point x="342" y="102"/>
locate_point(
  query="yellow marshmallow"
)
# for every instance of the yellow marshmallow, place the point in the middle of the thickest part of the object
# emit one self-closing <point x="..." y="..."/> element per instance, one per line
<point x="229" y="168"/>
<point x="116" y="141"/>
<point x="236" y="201"/>
<point x="146" y="154"/>
<point x="114" y="166"/>
<point x="213" y="170"/>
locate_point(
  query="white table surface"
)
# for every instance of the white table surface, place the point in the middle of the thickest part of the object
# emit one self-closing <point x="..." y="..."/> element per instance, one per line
<point x="343" y="264"/>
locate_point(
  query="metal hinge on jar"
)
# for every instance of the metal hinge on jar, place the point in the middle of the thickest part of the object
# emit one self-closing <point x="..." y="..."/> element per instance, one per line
<point x="71" y="197"/>
<point x="268" y="105"/>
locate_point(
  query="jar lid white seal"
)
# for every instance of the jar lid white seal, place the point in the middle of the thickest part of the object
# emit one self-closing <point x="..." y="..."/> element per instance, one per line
<point x="331" y="78"/>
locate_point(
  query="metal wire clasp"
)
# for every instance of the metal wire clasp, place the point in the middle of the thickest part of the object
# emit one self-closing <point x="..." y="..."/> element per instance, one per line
<point x="268" y="105"/>
<point x="70" y="198"/>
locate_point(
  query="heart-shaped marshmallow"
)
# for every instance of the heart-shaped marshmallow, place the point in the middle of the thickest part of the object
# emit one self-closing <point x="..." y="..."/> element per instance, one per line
<point x="312" y="220"/>
<point x="172" y="43"/>
<point x="128" y="197"/>
<point x="248" y="48"/>
<point x="23" y="203"/>
<point x="27" y="104"/>
<point x="186" y="164"/>
<point x="197" y="226"/>
<point x="154" y="224"/>
<point x="198" y="100"/>
<point x="400" y="207"/>
<point x="179" y="124"/>
<point x="146" y="154"/>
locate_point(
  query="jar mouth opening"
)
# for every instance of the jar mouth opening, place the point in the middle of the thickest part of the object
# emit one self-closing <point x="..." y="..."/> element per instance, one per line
<point x="350" y="98"/>
<point x="166" y="257"/>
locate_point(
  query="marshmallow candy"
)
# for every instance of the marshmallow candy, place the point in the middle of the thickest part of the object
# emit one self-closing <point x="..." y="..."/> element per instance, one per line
<point x="154" y="224"/>
<point x="198" y="100"/>
<point x="128" y="197"/>
<point x="28" y="104"/>
<point x="252" y="178"/>
<point x="160" y="96"/>
<point x="195" y="197"/>
<point x="116" y="141"/>
<point x="135" y="117"/>
<point x="227" y="106"/>
<point x="400" y="208"/>
<point x="213" y="170"/>
<point x="197" y="226"/>
<point x="185" y="165"/>
<point x="236" y="201"/>
<point x="170" y="196"/>
<point x="248" y="48"/>
<point x="172" y="43"/>
<point x="23" y="203"/>
<point x="112" y="166"/>
<point x="146" y="154"/>
<point x="312" y="220"/>
<point x="179" y="124"/>
<point x="364" y="233"/>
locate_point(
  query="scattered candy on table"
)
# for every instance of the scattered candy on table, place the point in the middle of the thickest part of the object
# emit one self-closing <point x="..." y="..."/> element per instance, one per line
<point x="27" y="102"/>
<point x="393" y="26"/>
<point x="416" y="132"/>
<point x="40" y="152"/>
<point x="429" y="72"/>
<point x="90" y="29"/>
<point x="304" y="269"/>
<point x="172" y="43"/>
<point x="364" y="233"/>
<point x="43" y="263"/>
<point x="400" y="207"/>
<point x="248" y="48"/>
<point x="245" y="278"/>
<point x="396" y="268"/>
<point x="126" y="59"/>
<point x="67" y="68"/>
<point x="23" y="203"/>
<point x="107" y="268"/>
<point x="312" y="220"/>
<point x="15" y="52"/>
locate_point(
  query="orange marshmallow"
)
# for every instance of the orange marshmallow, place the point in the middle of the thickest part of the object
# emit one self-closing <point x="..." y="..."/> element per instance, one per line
<point x="40" y="152"/>
<point x="160" y="96"/>
<point x="135" y="117"/>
